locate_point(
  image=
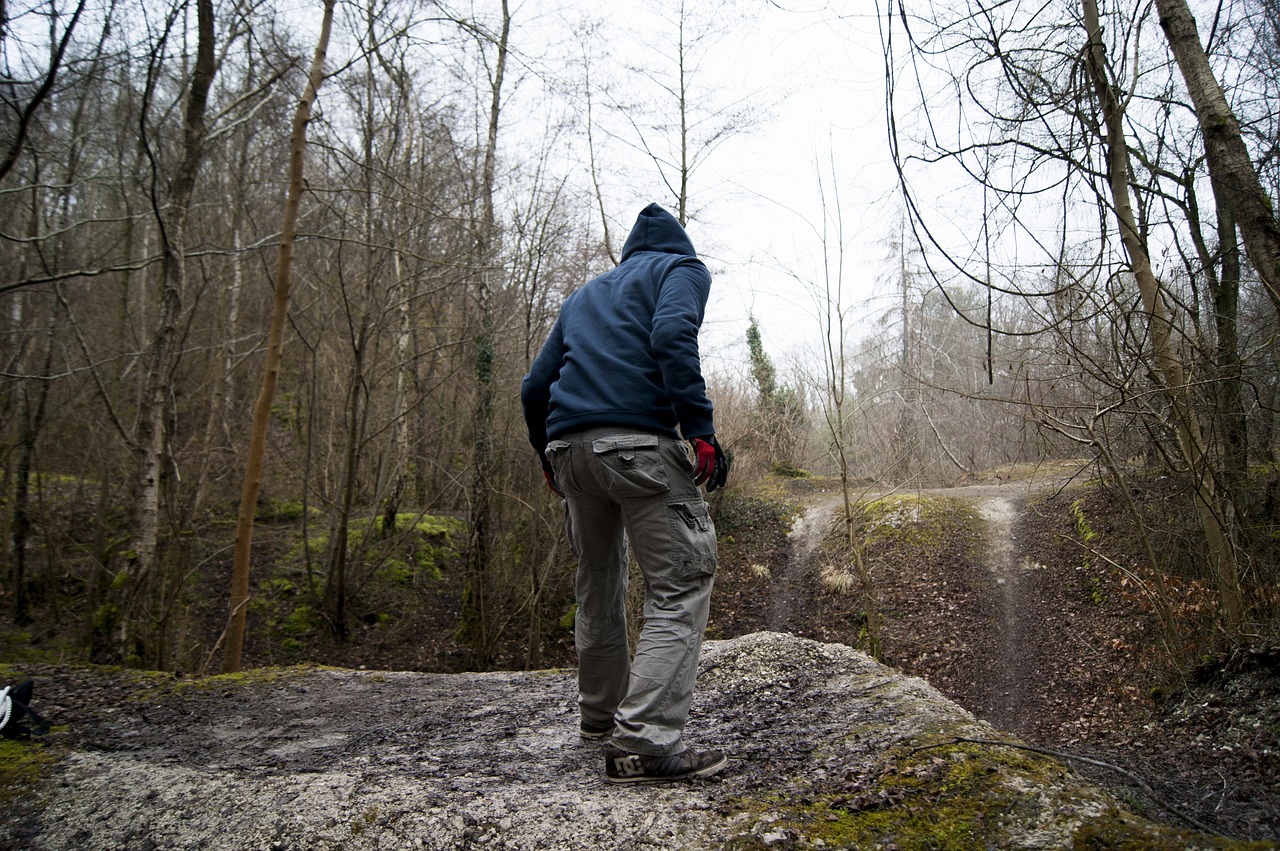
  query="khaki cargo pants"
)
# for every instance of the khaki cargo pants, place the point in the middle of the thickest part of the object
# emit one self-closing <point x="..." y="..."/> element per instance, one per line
<point x="631" y="487"/>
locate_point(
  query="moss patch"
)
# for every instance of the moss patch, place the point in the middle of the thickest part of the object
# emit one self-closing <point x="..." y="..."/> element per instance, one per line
<point x="925" y="522"/>
<point x="157" y="685"/>
<point x="785" y="486"/>
<point x="18" y="648"/>
<point x="22" y="765"/>
<point x="959" y="795"/>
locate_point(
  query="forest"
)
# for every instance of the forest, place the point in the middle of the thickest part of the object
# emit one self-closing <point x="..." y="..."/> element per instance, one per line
<point x="272" y="271"/>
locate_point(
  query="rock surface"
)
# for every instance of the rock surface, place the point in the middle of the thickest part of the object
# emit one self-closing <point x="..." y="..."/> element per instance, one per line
<point x="828" y="749"/>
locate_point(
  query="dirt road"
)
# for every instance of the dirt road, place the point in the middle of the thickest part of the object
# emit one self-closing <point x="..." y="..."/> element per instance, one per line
<point x="1006" y="679"/>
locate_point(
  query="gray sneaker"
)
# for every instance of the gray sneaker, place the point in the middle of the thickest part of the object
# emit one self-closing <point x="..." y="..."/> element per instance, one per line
<point x="592" y="733"/>
<point x="623" y="767"/>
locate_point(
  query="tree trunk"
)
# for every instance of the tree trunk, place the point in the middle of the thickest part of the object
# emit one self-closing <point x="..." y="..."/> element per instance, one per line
<point x="1230" y="380"/>
<point x="1230" y="166"/>
<point x="271" y="366"/>
<point x="157" y="383"/>
<point x="335" y="588"/>
<point x="476" y="625"/>
<point x="1214" y="511"/>
<point x="30" y="424"/>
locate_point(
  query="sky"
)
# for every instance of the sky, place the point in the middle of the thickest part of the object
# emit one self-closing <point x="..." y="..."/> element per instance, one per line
<point x="817" y="79"/>
<point x="832" y="120"/>
<point x="814" y="72"/>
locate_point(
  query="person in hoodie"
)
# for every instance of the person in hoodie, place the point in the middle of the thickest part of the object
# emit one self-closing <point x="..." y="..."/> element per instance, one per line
<point x="617" y="409"/>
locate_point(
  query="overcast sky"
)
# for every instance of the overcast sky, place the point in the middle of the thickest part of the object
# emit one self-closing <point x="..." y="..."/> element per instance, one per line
<point x="818" y="81"/>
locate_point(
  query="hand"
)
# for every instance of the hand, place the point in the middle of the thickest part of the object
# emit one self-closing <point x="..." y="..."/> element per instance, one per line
<point x="550" y="476"/>
<point x="710" y="464"/>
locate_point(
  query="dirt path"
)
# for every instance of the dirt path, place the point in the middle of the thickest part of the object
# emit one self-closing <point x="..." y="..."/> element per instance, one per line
<point x="1013" y="680"/>
<point x="1002" y="694"/>
<point x="798" y="580"/>
<point x="1007" y="682"/>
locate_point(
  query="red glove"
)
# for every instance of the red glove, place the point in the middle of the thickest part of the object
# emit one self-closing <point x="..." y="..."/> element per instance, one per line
<point x="710" y="464"/>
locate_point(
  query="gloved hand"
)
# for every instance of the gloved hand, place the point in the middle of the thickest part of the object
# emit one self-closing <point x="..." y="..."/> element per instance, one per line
<point x="710" y="464"/>
<point x="550" y="476"/>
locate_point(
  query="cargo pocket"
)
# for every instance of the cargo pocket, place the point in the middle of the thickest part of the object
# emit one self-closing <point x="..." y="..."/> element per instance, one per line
<point x="630" y="465"/>
<point x="693" y="539"/>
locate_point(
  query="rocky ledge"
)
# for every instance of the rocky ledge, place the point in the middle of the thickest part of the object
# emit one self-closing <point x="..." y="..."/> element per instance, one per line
<point x="828" y="749"/>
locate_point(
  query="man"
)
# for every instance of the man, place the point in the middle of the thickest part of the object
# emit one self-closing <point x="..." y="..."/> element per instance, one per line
<point x="609" y="402"/>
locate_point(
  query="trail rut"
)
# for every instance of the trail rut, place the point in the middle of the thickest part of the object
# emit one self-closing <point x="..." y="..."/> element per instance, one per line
<point x="1008" y="685"/>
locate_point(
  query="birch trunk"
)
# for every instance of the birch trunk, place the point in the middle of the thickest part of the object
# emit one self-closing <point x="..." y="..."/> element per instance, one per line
<point x="151" y="436"/>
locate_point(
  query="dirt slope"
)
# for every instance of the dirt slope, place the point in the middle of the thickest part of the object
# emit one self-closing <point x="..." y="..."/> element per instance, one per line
<point x="1014" y="626"/>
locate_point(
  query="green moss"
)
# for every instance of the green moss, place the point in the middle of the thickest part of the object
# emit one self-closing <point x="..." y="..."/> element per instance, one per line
<point x="1116" y="830"/>
<point x="22" y="765"/>
<point x="302" y="620"/>
<point x="285" y="511"/>
<point x="739" y="514"/>
<point x="420" y="546"/>
<point x="315" y="544"/>
<point x="781" y="487"/>
<point x="106" y="618"/>
<point x="921" y="521"/>
<point x="158" y="685"/>
<point x="1088" y="536"/>
<point x="396" y="571"/>
<point x="956" y="796"/>
<point x="280" y="585"/>
<point x="16" y="647"/>
<point x="426" y="524"/>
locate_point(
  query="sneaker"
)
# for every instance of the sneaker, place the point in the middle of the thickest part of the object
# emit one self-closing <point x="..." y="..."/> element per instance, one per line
<point x="623" y="767"/>
<point x="592" y="733"/>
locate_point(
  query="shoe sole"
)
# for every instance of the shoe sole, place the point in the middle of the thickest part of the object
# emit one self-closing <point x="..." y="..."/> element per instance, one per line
<point x="705" y="771"/>
<point x="589" y="736"/>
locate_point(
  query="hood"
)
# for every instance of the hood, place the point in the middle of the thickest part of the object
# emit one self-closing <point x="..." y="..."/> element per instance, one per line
<point x="657" y="230"/>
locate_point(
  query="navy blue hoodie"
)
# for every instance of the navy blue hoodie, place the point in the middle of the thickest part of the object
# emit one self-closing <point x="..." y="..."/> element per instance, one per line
<point x="624" y="351"/>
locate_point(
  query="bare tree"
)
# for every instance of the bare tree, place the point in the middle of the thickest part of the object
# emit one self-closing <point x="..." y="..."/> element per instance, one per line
<point x="172" y="218"/>
<point x="477" y="619"/>
<point x="692" y="119"/>
<point x="1213" y="509"/>
<point x="839" y="406"/>
<point x="10" y="96"/>
<point x="1053" y="125"/>
<point x="275" y="338"/>
<point x="1230" y="164"/>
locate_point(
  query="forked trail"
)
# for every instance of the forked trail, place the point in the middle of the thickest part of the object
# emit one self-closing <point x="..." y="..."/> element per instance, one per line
<point x="1009" y="679"/>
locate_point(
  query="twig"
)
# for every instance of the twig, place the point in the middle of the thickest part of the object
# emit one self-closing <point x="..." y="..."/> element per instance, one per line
<point x="208" y="660"/>
<point x="1146" y="787"/>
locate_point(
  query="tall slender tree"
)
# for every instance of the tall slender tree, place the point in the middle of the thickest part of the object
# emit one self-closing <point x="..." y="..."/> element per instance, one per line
<point x="239" y="597"/>
<point x="1214" y="508"/>
<point x="1235" y="178"/>
<point x="477" y="623"/>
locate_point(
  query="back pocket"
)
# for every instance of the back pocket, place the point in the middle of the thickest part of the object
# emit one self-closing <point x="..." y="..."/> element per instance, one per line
<point x="630" y="465"/>
<point x="558" y="456"/>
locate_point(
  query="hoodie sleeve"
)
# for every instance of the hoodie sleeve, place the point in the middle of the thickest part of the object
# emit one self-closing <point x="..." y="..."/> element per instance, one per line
<point x="535" y="390"/>
<point x="677" y="317"/>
